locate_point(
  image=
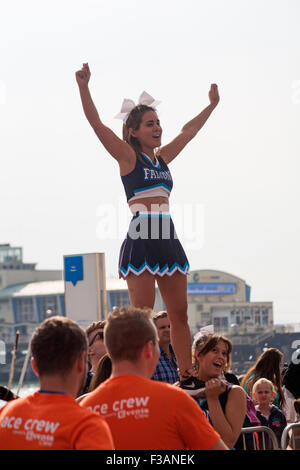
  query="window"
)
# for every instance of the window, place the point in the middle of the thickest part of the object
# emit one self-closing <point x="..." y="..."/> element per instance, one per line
<point x="118" y="299"/>
<point x="220" y="324"/>
<point x="48" y="306"/>
<point x="9" y="254"/>
<point x="25" y="310"/>
<point x="265" y="316"/>
<point x="257" y="318"/>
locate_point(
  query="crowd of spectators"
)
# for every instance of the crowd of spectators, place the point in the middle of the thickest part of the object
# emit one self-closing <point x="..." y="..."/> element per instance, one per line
<point x="115" y="386"/>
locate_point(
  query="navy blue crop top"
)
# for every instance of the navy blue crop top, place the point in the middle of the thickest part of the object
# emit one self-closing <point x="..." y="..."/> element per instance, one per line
<point x="148" y="181"/>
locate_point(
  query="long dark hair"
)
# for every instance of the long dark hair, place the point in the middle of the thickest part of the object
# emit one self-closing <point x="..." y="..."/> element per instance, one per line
<point x="267" y="366"/>
<point x="133" y="122"/>
<point x="102" y="372"/>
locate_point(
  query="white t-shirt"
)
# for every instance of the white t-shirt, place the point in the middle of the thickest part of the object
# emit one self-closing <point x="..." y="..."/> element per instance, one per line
<point x="288" y="409"/>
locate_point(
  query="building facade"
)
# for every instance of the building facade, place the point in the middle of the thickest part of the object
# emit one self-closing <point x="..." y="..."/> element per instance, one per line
<point x="28" y="296"/>
<point x="22" y="304"/>
<point x="223" y="300"/>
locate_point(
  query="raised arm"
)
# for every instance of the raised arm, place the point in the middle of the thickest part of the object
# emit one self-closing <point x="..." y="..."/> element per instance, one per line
<point x="119" y="149"/>
<point x="191" y="128"/>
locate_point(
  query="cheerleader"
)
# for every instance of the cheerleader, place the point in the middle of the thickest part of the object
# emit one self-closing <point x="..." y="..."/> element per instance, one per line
<point x="151" y="250"/>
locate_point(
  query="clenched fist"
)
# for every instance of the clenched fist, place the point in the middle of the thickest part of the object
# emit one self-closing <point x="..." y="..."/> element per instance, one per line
<point x="213" y="94"/>
<point x="214" y="388"/>
<point x="83" y="75"/>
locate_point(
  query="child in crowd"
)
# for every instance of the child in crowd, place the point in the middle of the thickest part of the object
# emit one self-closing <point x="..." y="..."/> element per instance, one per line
<point x="263" y="393"/>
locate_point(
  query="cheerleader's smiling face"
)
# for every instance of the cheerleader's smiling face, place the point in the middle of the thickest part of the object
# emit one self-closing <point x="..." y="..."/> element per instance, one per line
<point x="149" y="131"/>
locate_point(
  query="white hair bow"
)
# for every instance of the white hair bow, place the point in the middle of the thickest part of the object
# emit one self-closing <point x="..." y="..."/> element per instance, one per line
<point x="128" y="105"/>
<point x="205" y="330"/>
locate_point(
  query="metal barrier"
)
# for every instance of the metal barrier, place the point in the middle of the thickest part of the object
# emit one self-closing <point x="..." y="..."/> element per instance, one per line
<point x="286" y="436"/>
<point x="262" y="441"/>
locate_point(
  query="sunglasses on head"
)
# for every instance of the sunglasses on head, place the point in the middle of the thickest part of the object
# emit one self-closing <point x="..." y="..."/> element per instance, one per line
<point x="97" y="335"/>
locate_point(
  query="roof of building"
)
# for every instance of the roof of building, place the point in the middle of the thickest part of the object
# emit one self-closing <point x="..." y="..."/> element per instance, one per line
<point x="30" y="289"/>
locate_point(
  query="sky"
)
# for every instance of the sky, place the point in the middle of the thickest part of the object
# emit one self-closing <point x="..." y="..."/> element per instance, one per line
<point x="236" y="197"/>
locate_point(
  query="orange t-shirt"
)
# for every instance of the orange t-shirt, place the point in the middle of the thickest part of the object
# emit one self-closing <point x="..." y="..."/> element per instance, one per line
<point x="51" y="421"/>
<point x="145" y="414"/>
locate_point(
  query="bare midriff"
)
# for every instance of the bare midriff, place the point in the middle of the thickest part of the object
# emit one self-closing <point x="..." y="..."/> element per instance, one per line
<point x="150" y="204"/>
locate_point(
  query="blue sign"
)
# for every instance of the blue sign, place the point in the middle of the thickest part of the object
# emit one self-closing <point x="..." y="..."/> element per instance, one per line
<point x="211" y="288"/>
<point x="74" y="269"/>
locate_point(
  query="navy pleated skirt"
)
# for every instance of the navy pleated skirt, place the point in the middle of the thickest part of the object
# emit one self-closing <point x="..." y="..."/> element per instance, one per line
<point x="151" y="244"/>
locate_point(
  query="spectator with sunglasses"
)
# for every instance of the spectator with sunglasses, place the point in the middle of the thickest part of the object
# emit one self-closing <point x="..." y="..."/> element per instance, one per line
<point x="96" y="349"/>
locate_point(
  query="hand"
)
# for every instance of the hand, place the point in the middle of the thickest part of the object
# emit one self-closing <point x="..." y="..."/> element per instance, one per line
<point x="83" y="75"/>
<point x="214" y="388"/>
<point x="213" y="94"/>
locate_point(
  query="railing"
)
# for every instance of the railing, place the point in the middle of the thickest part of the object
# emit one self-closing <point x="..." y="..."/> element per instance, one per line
<point x="286" y="436"/>
<point x="262" y="337"/>
<point x="259" y="443"/>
